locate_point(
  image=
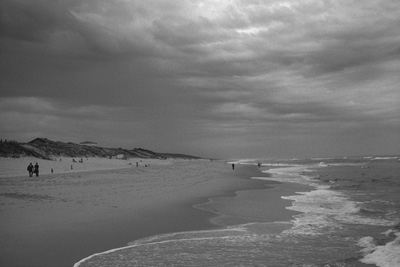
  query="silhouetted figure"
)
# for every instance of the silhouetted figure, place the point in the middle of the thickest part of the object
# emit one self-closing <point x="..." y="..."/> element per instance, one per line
<point x="36" y="170"/>
<point x="233" y="166"/>
<point x="51" y="170"/>
<point x="30" y="169"/>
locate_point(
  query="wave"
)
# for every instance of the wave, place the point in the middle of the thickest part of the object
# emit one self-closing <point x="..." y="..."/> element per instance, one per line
<point x="386" y="255"/>
<point x="330" y="224"/>
<point x="384" y="158"/>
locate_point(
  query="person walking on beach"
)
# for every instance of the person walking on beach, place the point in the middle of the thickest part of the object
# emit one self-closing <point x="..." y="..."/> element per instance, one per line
<point x="30" y="169"/>
<point x="36" y="170"/>
<point x="233" y="166"/>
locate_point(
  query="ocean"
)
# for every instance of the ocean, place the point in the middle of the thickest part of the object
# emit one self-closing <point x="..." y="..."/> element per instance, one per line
<point x="348" y="215"/>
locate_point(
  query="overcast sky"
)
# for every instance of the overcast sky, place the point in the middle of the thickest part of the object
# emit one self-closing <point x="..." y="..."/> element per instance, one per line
<point x="230" y="79"/>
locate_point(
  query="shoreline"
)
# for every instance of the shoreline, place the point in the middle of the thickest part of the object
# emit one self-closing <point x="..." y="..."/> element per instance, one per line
<point x="56" y="220"/>
<point x="244" y="206"/>
<point x="280" y="220"/>
<point x="331" y="228"/>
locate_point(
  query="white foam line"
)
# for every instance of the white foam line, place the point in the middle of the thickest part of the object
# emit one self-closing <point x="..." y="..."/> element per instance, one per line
<point x="163" y="242"/>
<point x="383" y="256"/>
<point x="382" y="158"/>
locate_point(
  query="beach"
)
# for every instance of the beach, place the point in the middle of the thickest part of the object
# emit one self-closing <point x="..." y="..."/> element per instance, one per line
<point x="347" y="215"/>
<point x="58" y="218"/>
<point x="313" y="212"/>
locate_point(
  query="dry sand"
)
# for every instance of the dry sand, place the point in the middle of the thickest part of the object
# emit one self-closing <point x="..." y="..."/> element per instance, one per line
<point x="14" y="167"/>
<point x="57" y="219"/>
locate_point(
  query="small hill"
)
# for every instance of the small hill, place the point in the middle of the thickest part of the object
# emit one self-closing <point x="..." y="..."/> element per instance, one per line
<point x="16" y="150"/>
<point x="46" y="149"/>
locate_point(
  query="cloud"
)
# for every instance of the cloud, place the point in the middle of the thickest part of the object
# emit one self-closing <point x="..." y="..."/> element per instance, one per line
<point x="205" y="69"/>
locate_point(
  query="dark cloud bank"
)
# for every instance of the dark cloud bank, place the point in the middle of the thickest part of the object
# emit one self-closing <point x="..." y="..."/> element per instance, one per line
<point x="226" y="79"/>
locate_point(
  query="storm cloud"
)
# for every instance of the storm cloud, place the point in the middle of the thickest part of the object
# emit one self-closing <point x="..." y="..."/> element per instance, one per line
<point x="227" y="79"/>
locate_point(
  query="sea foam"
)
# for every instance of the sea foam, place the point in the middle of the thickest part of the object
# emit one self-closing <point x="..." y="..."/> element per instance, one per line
<point x="331" y="224"/>
<point x="387" y="255"/>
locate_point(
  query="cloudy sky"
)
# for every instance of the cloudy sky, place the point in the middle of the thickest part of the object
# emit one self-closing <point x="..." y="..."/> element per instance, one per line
<point x="245" y="78"/>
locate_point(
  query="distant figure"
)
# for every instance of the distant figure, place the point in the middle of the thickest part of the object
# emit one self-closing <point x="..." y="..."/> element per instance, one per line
<point x="30" y="169"/>
<point x="71" y="167"/>
<point x="233" y="166"/>
<point x="51" y="170"/>
<point x="259" y="164"/>
<point x="137" y="164"/>
<point x="36" y="170"/>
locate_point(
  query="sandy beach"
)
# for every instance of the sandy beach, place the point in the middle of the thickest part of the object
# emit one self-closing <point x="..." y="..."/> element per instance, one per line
<point x="57" y="219"/>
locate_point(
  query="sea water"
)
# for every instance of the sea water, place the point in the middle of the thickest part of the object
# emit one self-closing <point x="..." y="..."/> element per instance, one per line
<point x="350" y="218"/>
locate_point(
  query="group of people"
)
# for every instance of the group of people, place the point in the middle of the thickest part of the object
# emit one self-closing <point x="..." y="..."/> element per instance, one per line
<point x="33" y="169"/>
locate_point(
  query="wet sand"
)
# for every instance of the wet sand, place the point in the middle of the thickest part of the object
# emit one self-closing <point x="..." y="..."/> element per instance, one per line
<point x="58" y="219"/>
<point x="322" y="228"/>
